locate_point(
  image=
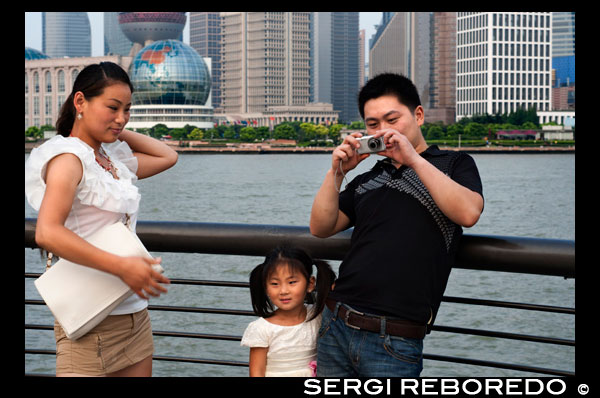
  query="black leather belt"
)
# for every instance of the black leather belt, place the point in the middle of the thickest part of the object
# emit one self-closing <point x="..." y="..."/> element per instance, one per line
<point x="394" y="327"/>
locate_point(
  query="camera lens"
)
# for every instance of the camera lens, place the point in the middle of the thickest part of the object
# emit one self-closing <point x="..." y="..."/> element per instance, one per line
<point x="373" y="143"/>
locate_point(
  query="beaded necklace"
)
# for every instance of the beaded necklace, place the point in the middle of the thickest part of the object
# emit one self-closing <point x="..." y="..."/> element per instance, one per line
<point x="111" y="168"/>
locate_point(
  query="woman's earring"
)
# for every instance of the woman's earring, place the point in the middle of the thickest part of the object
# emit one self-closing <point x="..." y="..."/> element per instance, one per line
<point x="79" y="116"/>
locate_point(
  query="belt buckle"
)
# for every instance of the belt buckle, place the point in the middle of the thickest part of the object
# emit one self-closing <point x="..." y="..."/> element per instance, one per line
<point x="348" y="312"/>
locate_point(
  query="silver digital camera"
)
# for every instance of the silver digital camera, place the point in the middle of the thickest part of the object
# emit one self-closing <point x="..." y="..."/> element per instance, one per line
<point x="368" y="144"/>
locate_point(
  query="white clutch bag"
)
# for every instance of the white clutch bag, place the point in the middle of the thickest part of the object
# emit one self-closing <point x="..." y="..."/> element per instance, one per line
<point x="81" y="297"/>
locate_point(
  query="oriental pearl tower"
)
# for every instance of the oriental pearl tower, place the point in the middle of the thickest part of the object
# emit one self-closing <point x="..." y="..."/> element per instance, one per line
<point x="143" y="28"/>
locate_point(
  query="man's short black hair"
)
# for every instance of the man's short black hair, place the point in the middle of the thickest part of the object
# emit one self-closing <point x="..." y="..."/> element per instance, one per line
<point x="389" y="84"/>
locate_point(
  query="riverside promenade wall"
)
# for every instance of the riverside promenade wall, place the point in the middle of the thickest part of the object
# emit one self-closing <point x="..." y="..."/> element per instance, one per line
<point x="268" y="149"/>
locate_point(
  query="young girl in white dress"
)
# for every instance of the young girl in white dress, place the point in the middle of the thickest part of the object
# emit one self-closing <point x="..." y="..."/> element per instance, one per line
<point x="283" y="342"/>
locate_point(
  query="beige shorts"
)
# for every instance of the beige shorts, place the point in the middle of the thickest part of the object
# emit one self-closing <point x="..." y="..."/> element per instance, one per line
<point x="116" y="343"/>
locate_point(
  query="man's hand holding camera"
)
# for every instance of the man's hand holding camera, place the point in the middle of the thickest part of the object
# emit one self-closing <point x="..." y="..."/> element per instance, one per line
<point x="398" y="147"/>
<point x="347" y="154"/>
<point x="387" y="142"/>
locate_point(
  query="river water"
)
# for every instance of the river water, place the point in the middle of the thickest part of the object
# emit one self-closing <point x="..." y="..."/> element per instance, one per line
<point x="525" y="195"/>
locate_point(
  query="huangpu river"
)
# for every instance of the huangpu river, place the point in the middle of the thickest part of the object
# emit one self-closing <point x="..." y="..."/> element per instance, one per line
<point x="529" y="195"/>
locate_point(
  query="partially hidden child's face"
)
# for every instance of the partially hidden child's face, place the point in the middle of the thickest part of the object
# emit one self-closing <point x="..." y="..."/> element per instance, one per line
<point x="287" y="289"/>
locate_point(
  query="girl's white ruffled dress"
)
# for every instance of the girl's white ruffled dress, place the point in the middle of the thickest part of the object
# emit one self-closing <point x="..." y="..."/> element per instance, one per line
<point x="292" y="349"/>
<point x="100" y="199"/>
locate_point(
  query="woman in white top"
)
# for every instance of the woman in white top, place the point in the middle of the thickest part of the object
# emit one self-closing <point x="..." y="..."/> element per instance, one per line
<point x="82" y="180"/>
<point x="283" y="342"/>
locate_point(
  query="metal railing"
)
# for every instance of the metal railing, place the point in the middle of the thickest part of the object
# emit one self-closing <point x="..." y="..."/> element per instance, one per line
<point x="478" y="252"/>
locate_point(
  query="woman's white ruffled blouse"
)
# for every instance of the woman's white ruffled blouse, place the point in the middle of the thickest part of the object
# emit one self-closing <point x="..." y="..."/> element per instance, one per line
<point x="100" y="199"/>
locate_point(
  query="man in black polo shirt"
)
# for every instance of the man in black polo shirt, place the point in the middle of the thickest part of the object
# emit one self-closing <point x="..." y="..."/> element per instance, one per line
<point x="407" y="212"/>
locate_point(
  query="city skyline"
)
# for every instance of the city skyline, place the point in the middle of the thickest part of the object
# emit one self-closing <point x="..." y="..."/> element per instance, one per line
<point x="33" y="29"/>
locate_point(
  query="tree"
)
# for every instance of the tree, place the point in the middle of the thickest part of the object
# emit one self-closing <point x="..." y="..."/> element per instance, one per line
<point x="33" y="132"/>
<point x="334" y="132"/>
<point x="475" y="130"/>
<point x="359" y="124"/>
<point x="247" y="134"/>
<point x="284" y="131"/>
<point x="435" y="132"/>
<point x="454" y="130"/>
<point x="262" y="133"/>
<point x="159" y="130"/>
<point x="229" y="133"/>
<point x="307" y="132"/>
<point x="321" y="132"/>
<point x="196" y="134"/>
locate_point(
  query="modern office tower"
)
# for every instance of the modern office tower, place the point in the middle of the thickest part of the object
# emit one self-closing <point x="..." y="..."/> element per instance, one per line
<point x="321" y="57"/>
<point x="205" y="38"/>
<point x="115" y="41"/>
<point x="401" y="45"/>
<point x="443" y="68"/>
<point x="66" y="34"/>
<point x="563" y="34"/>
<point x="503" y="62"/>
<point x="361" y="57"/>
<point x="265" y="60"/>
<point x="563" y="48"/>
<point x="389" y="46"/>
<point x="336" y="62"/>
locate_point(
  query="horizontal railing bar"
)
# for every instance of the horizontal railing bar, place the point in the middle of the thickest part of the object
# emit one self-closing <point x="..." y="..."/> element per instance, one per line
<point x="433" y="357"/>
<point x="449" y="299"/>
<point x="509" y="304"/>
<point x="438" y="328"/>
<point x="160" y="333"/>
<point x="207" y="336"/>
<point x="501" y="365"/>
<point x="480" y="252"/>
<point x="198" y="360"/>
<point x="221" y="311"/>
<point x="191" y="282"/>
<point x="504" y="335"/>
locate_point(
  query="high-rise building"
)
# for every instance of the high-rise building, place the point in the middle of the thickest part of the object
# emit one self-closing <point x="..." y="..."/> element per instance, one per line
<point x="563" y="50"/>
<point x="336" y="62"/>
<point x="401" y="45"/>
<point x="443" y="68"/>
<point x="503" y="62"/>
<point x="265" y="60"/>
<point x="563" y="34"/>
<point x="115" y="41"/>
<point x="361" y="57"/>
<point x="205" y="38"/>
<point x="66" y="34"/>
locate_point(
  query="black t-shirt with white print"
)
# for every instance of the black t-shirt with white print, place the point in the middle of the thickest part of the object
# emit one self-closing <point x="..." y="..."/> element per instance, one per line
<point x="402" y="246"/>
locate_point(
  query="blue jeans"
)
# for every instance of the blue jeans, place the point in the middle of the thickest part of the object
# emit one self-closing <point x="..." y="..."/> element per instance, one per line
<point x="346" y="352"/>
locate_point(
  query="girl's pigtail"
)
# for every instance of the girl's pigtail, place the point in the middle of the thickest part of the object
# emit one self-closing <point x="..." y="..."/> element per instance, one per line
<point x="260" y="302"/>
<point x="325" y="279"/>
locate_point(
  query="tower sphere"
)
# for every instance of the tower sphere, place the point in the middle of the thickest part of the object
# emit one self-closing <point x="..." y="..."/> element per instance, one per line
<point x="140" y="27"/>
<point x="169" y="72"/>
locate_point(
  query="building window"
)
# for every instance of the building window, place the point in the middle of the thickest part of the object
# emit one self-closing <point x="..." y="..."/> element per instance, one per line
<point x="48" y="79"/>
<point x="61" y="81"/>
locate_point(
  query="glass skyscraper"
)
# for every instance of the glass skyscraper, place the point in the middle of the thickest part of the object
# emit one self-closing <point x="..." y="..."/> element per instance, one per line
<point x="115" y="41"/>
<point x="335" y="62"/>
<point x="66" y="34"/>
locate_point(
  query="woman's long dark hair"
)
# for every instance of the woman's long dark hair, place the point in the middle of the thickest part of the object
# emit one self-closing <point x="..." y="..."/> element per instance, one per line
<point x="91" y="81"/>
<point x="299" y="261"/>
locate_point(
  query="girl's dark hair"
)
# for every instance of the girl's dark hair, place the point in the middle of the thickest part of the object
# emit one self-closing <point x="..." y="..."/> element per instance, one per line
<point x="91" y="81"/>
<point x="299" y="261"/>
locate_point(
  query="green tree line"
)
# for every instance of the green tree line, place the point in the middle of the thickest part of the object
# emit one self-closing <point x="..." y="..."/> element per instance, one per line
<point x="477" y="127"/>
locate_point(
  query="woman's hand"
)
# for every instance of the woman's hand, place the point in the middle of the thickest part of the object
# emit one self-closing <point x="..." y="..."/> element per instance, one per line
<point x="138" y="274"/>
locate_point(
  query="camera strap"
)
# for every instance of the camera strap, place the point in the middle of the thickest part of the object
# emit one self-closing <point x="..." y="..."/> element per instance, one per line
<point x="343" y="177"/>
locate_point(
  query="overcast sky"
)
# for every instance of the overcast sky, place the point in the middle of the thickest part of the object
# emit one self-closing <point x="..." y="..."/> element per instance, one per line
<point x="33" y="29"/>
